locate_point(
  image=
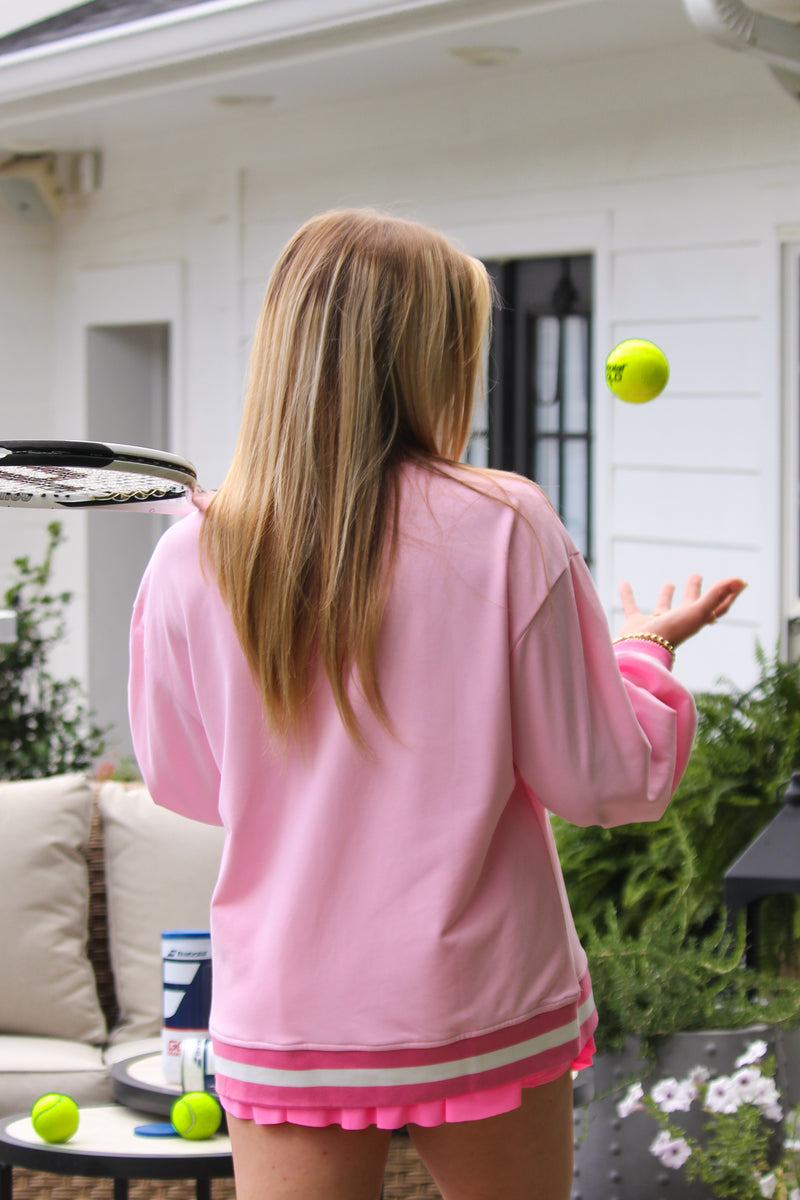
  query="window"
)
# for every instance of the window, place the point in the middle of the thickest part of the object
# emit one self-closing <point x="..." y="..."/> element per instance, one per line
<point x="538" y="419"/>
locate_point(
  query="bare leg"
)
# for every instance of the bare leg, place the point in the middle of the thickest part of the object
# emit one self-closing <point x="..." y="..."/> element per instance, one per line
<point x="292" y="1162"/>
<point x="521" y="1155"/>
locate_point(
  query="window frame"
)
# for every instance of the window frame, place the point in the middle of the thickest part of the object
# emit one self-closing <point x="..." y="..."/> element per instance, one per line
<point x="790" y="507"/>
<point x="512" y="433"/>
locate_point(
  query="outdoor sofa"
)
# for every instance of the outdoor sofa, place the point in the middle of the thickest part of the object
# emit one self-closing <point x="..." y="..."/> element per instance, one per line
<point x="90" y="875"/>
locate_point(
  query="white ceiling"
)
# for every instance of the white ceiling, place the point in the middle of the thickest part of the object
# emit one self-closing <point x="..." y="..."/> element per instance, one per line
<point x="357" y="63"/>
<point x="785" y="10"/>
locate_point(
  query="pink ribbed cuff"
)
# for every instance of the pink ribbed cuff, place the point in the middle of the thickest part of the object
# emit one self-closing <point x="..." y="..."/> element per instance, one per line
<point x="636" y="645"/>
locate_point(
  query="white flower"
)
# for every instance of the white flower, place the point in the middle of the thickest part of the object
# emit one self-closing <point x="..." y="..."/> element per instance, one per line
<point x="660" y="1144"/>
<point x="675" y="1153"/>
<point x="698" y="1076"/>
<point x="722" y="1096"/>
<point x="765" y="1093"/>
<point x="630" y="1102"/>
<point x="773" y="1112"/>
<point x="671" y="1096"/>
<point x="794" y="1194"/>
<point x="747" y="1082"/>
<point x="767" y="1185"/>
<point x="753" y="1053"/>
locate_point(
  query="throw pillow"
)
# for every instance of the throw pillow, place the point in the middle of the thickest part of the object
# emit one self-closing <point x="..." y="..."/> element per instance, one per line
<point x="48" y="983"/>
<point x="160" y="872"/>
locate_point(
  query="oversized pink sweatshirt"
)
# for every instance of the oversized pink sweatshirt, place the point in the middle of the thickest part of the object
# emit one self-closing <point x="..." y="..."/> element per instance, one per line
<point x="394" y="928"/>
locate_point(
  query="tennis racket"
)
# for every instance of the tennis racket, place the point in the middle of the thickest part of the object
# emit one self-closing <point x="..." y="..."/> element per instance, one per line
<point x="94" y="475"/>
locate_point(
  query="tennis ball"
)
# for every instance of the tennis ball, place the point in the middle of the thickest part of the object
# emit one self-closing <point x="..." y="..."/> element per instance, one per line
<point x="637" y="371"/>
<point x="196" y="1115"/>
<point x="55" y="1117"/>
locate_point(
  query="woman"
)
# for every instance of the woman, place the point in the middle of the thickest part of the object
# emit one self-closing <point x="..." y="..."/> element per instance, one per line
<point x="379" y="669"/>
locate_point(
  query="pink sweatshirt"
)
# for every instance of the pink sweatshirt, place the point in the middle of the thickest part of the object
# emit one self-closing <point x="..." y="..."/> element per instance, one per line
<point x="394" y="928"/>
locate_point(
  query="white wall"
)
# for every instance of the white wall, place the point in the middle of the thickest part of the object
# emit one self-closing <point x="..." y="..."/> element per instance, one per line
<point x="27" y="321"/>
<point x="666" y="166"/>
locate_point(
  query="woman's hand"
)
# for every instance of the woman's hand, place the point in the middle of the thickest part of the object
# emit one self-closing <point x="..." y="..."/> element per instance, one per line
<point x="695" y="610"/>
<point x="201" y="499"/>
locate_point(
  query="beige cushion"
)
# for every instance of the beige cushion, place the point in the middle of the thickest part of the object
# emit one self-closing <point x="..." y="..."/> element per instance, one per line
<point x="48" y="983"/>
<point x="160" y="872"/>
<point x="31" y="1066"/>
<point x="122" y="1050"/>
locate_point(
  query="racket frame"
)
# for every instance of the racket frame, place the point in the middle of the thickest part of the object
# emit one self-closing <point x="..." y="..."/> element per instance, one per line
<point x="111" y="456"/>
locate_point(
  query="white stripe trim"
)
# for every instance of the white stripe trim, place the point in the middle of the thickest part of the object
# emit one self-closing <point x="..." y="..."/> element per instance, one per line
<point x="383" y="1077"/>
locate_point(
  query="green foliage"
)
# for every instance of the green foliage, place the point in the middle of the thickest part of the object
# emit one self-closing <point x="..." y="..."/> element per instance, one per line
<point x="735" y="1157"/>
<point x="45" y="726"/>
<point x="747" y="745"/>
<point x="664" y="979"/>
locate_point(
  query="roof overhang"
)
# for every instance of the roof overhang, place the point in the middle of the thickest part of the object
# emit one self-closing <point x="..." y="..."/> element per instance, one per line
<point x="226" y="37"/>
<point x="739" y="26"/>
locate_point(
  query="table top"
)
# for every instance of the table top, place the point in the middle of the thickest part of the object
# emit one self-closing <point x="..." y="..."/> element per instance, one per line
<point x="106" y="1145"/>
<point x="139" y="1082"/>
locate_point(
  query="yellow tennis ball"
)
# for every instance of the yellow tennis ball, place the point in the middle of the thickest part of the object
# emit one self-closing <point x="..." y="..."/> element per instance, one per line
<point x="55" y="1117"/>
<point x="196" y="1115"/>
<point x="637" y="371"/>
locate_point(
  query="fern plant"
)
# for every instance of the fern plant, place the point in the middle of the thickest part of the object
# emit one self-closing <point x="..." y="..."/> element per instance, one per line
<point x="665" y="980"/>
<point x="747" y="745"/>
<point x="46" y="727"/>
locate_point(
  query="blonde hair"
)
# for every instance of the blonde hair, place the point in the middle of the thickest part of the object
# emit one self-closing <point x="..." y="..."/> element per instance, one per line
<point x="368" y="352"/>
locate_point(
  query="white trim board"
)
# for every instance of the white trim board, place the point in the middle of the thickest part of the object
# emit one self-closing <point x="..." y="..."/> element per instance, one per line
<point x="149" y="293"/>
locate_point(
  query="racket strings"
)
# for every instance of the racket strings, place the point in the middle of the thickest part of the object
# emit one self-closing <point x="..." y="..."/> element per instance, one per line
<point x="85" y="482"/>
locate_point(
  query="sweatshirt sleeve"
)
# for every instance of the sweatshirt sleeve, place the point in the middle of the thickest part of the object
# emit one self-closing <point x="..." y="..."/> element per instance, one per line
<point x="169" y="739"/>
<point x="602" y="733"/>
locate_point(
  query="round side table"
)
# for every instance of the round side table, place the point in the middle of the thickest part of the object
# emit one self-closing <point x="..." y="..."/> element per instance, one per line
<point x="139" y="1083"/>
<point x="107" y="1146"/>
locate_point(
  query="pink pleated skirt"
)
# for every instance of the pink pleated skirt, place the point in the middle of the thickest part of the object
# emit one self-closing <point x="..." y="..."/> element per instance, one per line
<point x="471" y="1106"/>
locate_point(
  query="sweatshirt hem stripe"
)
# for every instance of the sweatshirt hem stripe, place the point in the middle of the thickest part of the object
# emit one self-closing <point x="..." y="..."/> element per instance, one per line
<point x="374" y="1078"/>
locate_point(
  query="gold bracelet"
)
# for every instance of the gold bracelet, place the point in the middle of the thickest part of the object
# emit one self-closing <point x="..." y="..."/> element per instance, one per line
<point x="647" y="637"/>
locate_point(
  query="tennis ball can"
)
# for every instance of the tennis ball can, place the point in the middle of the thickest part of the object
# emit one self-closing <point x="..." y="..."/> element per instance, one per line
<point x="197" y="1065"/>
<point x="186" y="965"/>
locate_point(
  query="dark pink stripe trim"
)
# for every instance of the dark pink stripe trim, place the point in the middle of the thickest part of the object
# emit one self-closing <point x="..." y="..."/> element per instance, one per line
<point x="299" y="1060"/>
<point x="551" y="1061"/>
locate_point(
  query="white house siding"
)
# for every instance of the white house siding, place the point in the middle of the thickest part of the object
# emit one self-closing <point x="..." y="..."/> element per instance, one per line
<point x="663" y="165"/>
<point x="27" y="323"/>
<point x="660" y="166"/>
<point x="162" y="206"/>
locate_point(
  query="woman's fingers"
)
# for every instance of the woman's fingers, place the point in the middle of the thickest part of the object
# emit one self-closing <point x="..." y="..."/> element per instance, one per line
<point x="694" y="614"/>
<point x="664" y="602"/>
<point x="201" y="499"/>
<point x="693" y="589"/>
<point x="723" y="594"/>
<point x="629" y="605"/>
<point x="696" y="609"/>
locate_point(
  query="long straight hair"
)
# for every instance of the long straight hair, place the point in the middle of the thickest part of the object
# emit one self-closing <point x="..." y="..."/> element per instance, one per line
<point x="368" y="352"/>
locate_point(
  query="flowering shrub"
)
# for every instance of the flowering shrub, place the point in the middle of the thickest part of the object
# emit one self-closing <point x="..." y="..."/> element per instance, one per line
<point x="734" y="1156"/>
<point x="123" y="770"/>
<point x="46" y="727"/>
